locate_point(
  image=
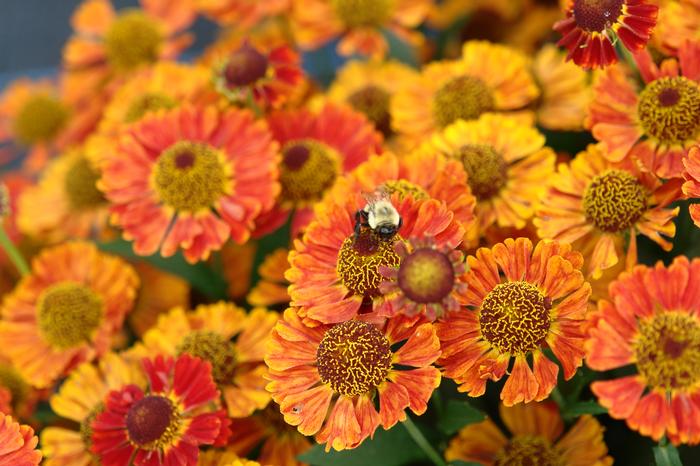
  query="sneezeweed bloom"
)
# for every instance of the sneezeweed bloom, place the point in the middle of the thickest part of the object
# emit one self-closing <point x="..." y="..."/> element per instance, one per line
<point x="359" y="24"/>
<point x="271" y="289"/>
<point x="80" y="399"/>
<point x="426" y="280"/>
<point x="18" y="443"/>
<point x="66" y="311"/>
<point x="657" y="125"/>
<point x="223" y="335"/>
<point x="487" y="78"/>
<point x="594" y="202"/>
<point x="691" y="187"/>
<point x="678" y="21"/>
<point x="189" y="179"/>
<point x="592" y="27"/>
<point x="651" y="324"/>
<point x="520" y="301"/>
<point x="165" y="424"/>
<point x="326" y="378"/>
<point x="535" y="438"/>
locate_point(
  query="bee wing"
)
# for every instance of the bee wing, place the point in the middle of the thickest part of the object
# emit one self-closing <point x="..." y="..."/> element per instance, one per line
<point x="379" y="194"/>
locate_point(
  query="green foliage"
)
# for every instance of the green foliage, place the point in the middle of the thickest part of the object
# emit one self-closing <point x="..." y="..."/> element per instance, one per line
<point x="667" y="455"/>
<point x="457" y="414"/>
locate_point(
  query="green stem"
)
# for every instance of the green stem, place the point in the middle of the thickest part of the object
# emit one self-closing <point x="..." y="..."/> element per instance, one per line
<point x="13" y="253"/>
<point x="422" y="442"/>
<point x="558" y="398"/>
<point x="253" y="105"/>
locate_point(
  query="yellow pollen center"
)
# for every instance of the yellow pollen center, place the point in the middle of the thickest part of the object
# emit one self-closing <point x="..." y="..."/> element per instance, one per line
<point x="669" y="109"/>
<point x="487" y="169"/>
<point x="614" y="200"/>
<point x="191" y="176"/>
<point x="147" y="103"/>
<point x="307" y="170"/>
<point x="153" y="422"/>
<point x="359" y="13"/>
<point x="373" y="102"/>
<point x="353" y="357"/>
<point x="81" y="185"/>
<point x="359" y="259"/>
<point x="39" y="119"/>
<point x="426" y="276"/>
<point x="597" y="15"/>
<point x="529" y="450"/>
<point x="405" y="188"/>
<point x="463" y="97"/>
<point x="213" y="347"/>
<point x="14" y="383"/>
<point x="514" y="317"/>
<point x="69" y="313"/>
<point x="668" y="350"/>
<point x="133" y="40"/>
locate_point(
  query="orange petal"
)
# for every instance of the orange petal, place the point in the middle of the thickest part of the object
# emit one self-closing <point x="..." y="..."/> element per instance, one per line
<point x="603" y="257"/>
<point x="667" y="285"/>
<point x="393" y="400"/>
<point x="606" y="349"/>
<point x="619" y="396"/>
<point x="536" y="419"/>
<point x="513" y="257"/>
<point x="545" y="373"/>
<point x="583" y="444"/>
<point x="367" y="416"/>
<point x="307" y="409"/>
<point x="686" y="414"/>
<point x="421" y="349"/>
<point x="419" y="384"/>
<point x="341" y="430"/>
<point x="651" y="416"/>
<point x="478" y="442"/>
<point x="93" y="17"/>
<point x="568" y="350"/>
<point x="521" y="385"/>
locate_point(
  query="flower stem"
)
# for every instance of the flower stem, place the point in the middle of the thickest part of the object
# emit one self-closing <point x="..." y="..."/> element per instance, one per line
<point x="13" y="253"/>
<point x="250" y="100"/>
<point x="422" y="442"/>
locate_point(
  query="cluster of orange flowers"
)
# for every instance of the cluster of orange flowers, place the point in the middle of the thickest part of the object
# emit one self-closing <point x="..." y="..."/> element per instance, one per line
<point x="235" y="256"/>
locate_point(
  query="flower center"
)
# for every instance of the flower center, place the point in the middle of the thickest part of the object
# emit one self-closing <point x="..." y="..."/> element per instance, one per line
<point x="152" y="422"/>
<point x="426" y="276"/>
<point x="487" y="169"/>
<point x="81" y="185"/>
<point x="463" y="97"/>
<point x="191" y="176"/>
<point x="669" y="109"/>
<point x="86" y="425"/>
<point x="597" y="15"/>
<point x="614" y="200"/>
<point x="405" y="188"/>
<point x="308" y="169"/>
<point x="668" y="350"/>
<point x="14" y="383"/>
<point x="244" y="67"/>
<point x="358" y="13"/>
<point x="40" y="119"/>
<point x="69" y="313"/>
<point x="514" y="318"/>
<point x="133" y="39"/>
<point x="213" y="347"/>
<point x="373" y="102"/>
<point x="528" y="450"/>
<point x="358" y="261"/>
<point x="147" y="103"/>
<point x="353" y="357"/>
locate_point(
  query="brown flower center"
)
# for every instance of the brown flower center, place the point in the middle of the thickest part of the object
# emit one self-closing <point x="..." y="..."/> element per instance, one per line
<point x="152" y="422"/>
<point x="133" y="40"/>
<point x="513" y="317"/>
<point x="528" y="450"/>
<point x="69" y="314"/>
<point x="39" y="119"/>
<point x="487" y="169"/>
<point x="213" y="347"/>
<point x="668" y="350"/>
<point x="405" y="188"/>
<point x="614" y="200"/>
<point x="426" y="276"/>
<point x="463" y="97"/>
<point x="359" y="259"/>
<point x="244" y="67"/>
<point x="373" y="102"/>
<point x="147" y="103"/>
<point x="353" y="357"/>
<point x="669" y="109"/>
<point x="308" y="169"/>
<point x="81" y="185"/>
<point x="597" y="15"/>
<point x="359" y="13"/>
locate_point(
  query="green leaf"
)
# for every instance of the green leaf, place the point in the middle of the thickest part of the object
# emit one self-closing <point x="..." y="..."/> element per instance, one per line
<point x="392" y="447"/>
<point x="580" y="408"/>
<point x="458" y="414"/>
<point x="667" y="455"/>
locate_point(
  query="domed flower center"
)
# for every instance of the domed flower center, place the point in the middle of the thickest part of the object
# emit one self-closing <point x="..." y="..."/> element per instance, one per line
<point x="487" y="169"/>
<point x="133" y="40"/>
<point x="597" y="15"/>
<point x="244" y="67"/>
<point x="463" y="97"/>
<point x="191" y="176"/>
<point x="669" y="109"/>
<point x="514" y="318"/>
<point x="353" y="357"/>
<point x="528" y="450"/>
<point x="81" y="185"/>
<point x="86" y="425"/>
<point x="39" y="119"/>
<point x="69" y="313"/>
<point x="152" y="422"/>
<point x="213" y="347"/>
<point x="426" y="276"/>
<point x="668" y="350"/>
<point x="147" y="103"/>
<point x="358" y="13"/>
<point x="405" y="188"/>
<point x="359" y="259"/>
<point x="614" y="200"/>
<point x="308" y="169"/>
<point x="373" y="102"/>
<point x="14" y="383"/>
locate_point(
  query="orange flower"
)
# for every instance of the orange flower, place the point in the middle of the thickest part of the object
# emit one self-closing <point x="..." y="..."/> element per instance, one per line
<point x="18" y="443"/>
<point x="678" y="21"/>
<point x="360" y="24"/>
<point x="536" y="430"/>
<point x="241" y="13"/>
<point x="272" y="287"/>
<point x="591" y="28"/>
<point x="66" y="311"/>
<point x="325" y="378"/>
<point x="653" y="325"/>
<point x="596" y="203"/>
<point x="656" y="126"/>
<point x="691" y="187"/>
<point x="520" y="302"/>
<point x="189" y="179"/>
